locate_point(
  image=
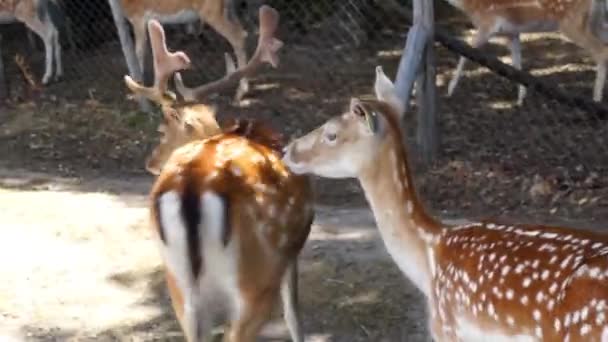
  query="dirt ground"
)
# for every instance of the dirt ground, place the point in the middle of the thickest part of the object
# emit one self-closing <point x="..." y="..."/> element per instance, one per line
<point x="80" y="265"/>
<point x="78" y="260"/>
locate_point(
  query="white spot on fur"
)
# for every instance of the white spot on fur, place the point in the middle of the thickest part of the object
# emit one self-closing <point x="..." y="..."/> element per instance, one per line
<point x="544" y="275"/>
<point x="539" y="332"/>
<point x="539" y="296"/>
<point x="553" y="288"/>
<point x="585" y="329"/>
<point x="536" y="315"/>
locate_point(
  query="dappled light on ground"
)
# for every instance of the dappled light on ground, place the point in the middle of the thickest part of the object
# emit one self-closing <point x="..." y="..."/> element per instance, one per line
<point x="83" y="266"/>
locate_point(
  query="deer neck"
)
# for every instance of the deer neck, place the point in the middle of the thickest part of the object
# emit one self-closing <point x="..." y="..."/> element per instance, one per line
<point x="409" y="234"/>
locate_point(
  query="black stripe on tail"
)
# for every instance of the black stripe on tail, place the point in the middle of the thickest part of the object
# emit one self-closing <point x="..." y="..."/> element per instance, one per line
<point x="191" y="213"/>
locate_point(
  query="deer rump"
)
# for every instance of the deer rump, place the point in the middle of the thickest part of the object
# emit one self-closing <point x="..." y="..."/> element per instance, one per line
<point x="205" y="209"/>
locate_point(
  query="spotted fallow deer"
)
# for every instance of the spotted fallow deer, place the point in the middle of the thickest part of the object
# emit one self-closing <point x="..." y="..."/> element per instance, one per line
<point x="231" y="219"/>
<point x="219" y="14"/>
<point x="510" y="18"/>
<point x="484" y="281"/>
<point x="45" y="18"/>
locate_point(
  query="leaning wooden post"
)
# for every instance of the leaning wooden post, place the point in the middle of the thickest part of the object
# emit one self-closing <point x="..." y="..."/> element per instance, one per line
<point x="417" y="64"/>
<point x="128" y="51"/>
<point x="3" y="84"/>
<point x="427" y="136"/>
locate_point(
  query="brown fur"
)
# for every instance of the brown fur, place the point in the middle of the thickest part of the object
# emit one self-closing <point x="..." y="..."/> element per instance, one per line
<point x="256" y="130"/>
<point x="252" y="181"/>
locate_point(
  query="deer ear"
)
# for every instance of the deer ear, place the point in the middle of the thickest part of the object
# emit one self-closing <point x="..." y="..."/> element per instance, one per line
<point x="171" y="115"/>
<point x="189" y="128"/>
<point x="385" y="91"/>
<point x="370" y="116"/>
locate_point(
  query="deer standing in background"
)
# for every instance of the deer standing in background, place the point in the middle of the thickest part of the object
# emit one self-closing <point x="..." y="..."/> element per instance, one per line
<point x="230" y="217"/>
<point x="219" y="14"/>
<point x="485" y="281"/>
<point x="45" y="18"/>
<point x="510" y="18"/>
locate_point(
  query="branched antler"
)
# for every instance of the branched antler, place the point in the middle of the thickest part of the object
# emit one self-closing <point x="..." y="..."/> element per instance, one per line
<point x="165" y="64"/>
<point x="266" y="52"/>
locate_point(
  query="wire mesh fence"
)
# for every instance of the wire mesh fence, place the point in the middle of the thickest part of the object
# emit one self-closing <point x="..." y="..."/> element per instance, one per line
<point x="544" y="159"/>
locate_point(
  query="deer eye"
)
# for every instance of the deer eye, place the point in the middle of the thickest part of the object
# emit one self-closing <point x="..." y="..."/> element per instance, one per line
<point x="330" y="137"/>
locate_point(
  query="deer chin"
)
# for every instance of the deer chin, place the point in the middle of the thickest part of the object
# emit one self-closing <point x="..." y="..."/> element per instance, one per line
<point x="335" y="169"/>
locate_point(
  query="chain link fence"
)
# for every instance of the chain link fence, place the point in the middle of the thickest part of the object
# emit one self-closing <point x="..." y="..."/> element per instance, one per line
<point x="546" y="159"/>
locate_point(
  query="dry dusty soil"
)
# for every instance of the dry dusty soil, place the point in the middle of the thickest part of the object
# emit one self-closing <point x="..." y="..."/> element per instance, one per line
<point x="79" y="264"/>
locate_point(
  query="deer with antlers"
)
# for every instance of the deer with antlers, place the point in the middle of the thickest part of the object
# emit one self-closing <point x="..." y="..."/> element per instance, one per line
<point x="483" y="281"/>
<point x="219" y="14"/>
<point x="576" y="19"/>
<point x="231" y="219"/>
<point x="45" y="18"/>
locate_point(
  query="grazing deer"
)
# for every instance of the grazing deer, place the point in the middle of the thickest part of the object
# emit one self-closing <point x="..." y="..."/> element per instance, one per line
<point x="219" y="14"/>
<point x="484" y="281"/>
<point x="230" y="217"/>
<point x="45" y="18"/>
<point x="510" y="18"/>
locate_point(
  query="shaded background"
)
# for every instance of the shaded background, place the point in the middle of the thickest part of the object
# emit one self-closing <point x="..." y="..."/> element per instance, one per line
<point x="545" y="161"/>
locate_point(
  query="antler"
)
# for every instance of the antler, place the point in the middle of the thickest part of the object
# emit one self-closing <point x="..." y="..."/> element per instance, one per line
<point x="165" y="64"/>
<point x="266" y="52"/>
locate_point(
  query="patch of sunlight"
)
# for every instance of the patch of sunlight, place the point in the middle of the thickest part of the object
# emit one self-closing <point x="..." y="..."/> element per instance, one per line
<point x="389" y="53"/>
<point x="319" y="338"/>
<point x="530" y="37"/>
<point x="365" y="298"/>
<point x="502" y="105"/>
<point x="327" y="232"/>
<point x="525" y="37"/>
<point x="569" y="67"/>
<point x="266" y="86"/>
<point x="12" y="334"/>
<point x="63" y="247"/>
<point x="471" y="70"/>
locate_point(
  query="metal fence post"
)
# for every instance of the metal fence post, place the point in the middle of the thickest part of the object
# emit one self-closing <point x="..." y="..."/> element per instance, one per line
<point x="418" y="64"/>
<point x="127" y="49"/>
<point x="427" y="136"/>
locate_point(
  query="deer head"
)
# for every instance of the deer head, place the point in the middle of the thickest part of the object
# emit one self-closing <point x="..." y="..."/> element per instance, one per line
<point x="180" y="127"/>
<point x="341" y="147"/>
<point x="183" y="120"/>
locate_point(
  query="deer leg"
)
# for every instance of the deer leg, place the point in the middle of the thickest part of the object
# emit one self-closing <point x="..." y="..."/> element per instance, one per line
<point x="48" y="56"/>
<point x="479" y="39"/>
<point x="515" y="47"/>
<point x="57" y="55"/>
<point x="139" y="32"/>
<point x="234" y="33"/>
<point x="600" y="79"/>
<point x="177" y="300"/>
<point x="254" y="313"/>
<point x="289" y="297"/>
<point x="45" y="33"/>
